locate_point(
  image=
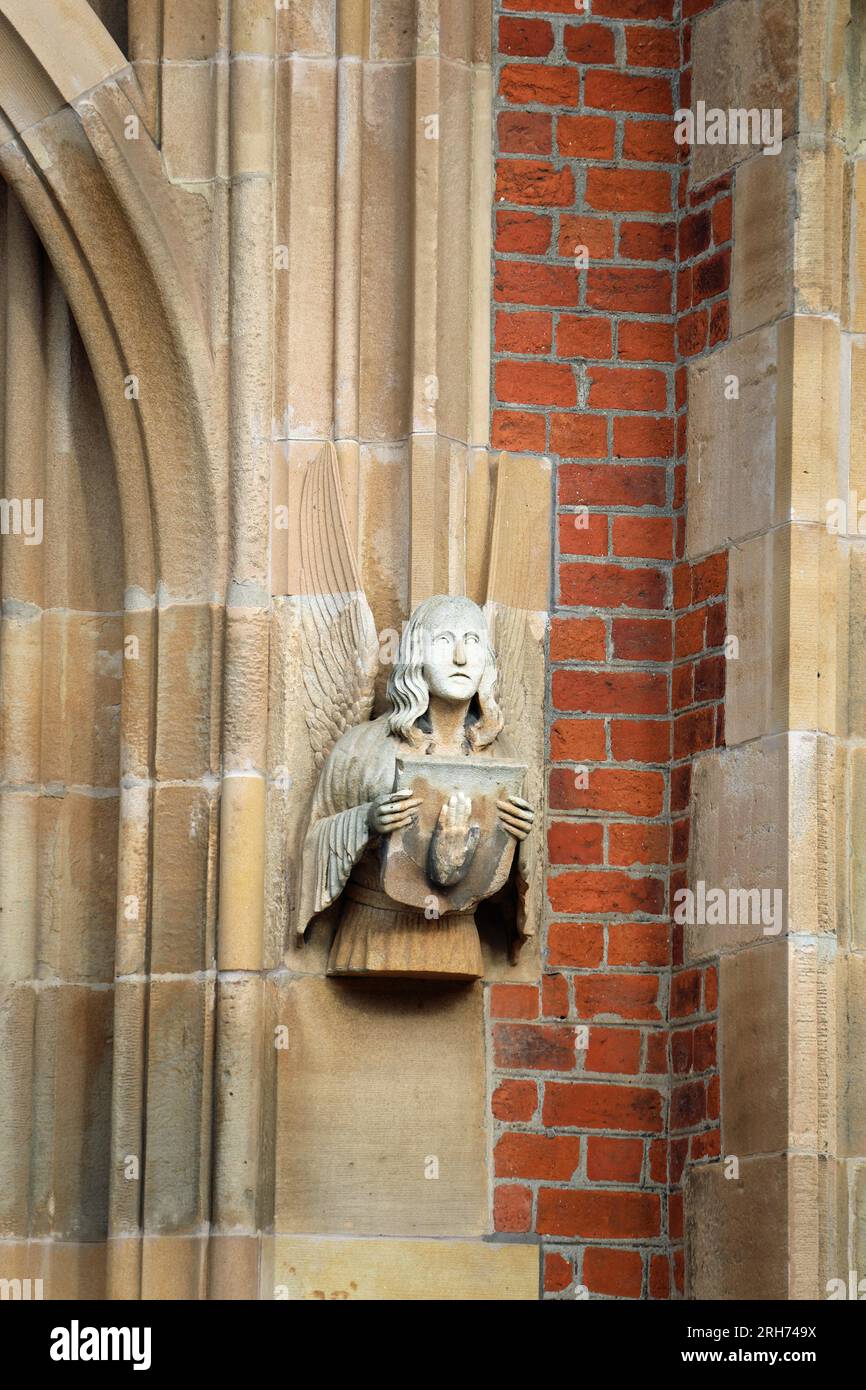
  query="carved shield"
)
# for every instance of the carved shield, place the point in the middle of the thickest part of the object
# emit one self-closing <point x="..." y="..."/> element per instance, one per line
<point x="404" y="853"/>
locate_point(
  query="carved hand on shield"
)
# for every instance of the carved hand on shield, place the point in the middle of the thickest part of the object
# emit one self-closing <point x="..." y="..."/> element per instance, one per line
<point x="392" y="811"/>
<point x="516" y="816"/>
<point x="453" y="843"/>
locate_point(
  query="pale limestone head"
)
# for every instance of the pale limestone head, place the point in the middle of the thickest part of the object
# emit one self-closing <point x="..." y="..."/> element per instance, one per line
<point x="446" y="652"/>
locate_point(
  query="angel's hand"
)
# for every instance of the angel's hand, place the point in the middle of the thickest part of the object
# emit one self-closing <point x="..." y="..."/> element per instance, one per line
<point x="392" y="811"/>
<point x="453" y="843"/>
<point x="516" y="816"/>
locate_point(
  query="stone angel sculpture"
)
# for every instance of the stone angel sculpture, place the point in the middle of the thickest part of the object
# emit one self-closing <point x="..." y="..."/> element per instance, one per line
<point x="419" y="816"/>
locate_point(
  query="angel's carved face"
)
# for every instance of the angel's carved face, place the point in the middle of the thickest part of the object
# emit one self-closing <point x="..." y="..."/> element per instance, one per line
<point x="455" y="652"/>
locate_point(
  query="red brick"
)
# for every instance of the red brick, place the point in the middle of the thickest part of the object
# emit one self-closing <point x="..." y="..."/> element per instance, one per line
<point x="620" y="91"/>
<point x="626" y="388"/>
<point x="535" y="383"/>
<point x="608" y="1215"/>
<point x="598" y="1105"/>
<point x="593" y="233"/>
<point x="615" y="1051"/>
<point x="719" y="322"/>
<point x="705" y="1047"/>
<point x="524" y="332"/>
<point x="634" y="844"/>
<point x="558" y="1273"/>
<point x="659" y="1277"/>
<point x="524" y="132"/>
<point x="717" y="618"/>
<point x="619" y="996"/>
<point x="546" y="286"/>
<point x="611" y="485"/>
<point x="634" y="437"/>
<point x="692" y="333"/>
<point x="658" y="1160"/>
<point x="610" y="691"/>
<point x="657" y="1055"/>
<point x="554" y="996"/>
<point x="650" y="142"/>
<point x="643" y="537"/>
<point x="586" y="137"/>
<point x="515" y="429"/>
<point x="710" y="678"/>
<point x="588" y="337"/>
<point x="612" y="586"/>
<point x="710" y="577"/>
<point x="646" y="342"/>
<point x="525" y="38"/>
<point x="512" y="1208"/>
<point x="533" y="1046"/>
<point x="679" y="1149"/>
<point x="648" y="47"/>
<point x="605" y="891"/>
<point x="685" y="993"/>
<point x="575" y="945"/>
<point x="513" y="1001"/>
<point x="684" y="288"/>
<point x="688" y="1105"/>
<point x="541" y="84"/>
<point x="682" y="686"/>
<point x="626" y="790"/>
<point x="689" y="633"/>
<point x="579" y="436"/>
<point x="694" y="234"/>
<point x="722" y="214"/>
<point x="647" y="241"/>
<point x="675" y="1215"/>
<point x="583" y="533"/>
<point x="693" y="732"/>
<point x="711" y="276"/>
<point x="641" y="741"/>
<point x="713" y="1098"/>
<point x="711" y="989"/>
<point x="533" y="181"/>
<point x="550" y="1156"/>
<point x="628" y="9"/>
<point x="577" y="740"/>
<point x="577" y="639"/>
<point x="682" y="1051"/>
<point x="628" y="190"/>
<point x="515" y="1101"/>
<point x="706" y="1145"/>
<point x="589" y="43"/>
<point x="642" y="639"/>
<point x="524" y="232"/>
<point x="629" y="289"/>
<point x="618" y="1273"/>
<point x="575" y="842"/>
<point x="614" y="1160"/>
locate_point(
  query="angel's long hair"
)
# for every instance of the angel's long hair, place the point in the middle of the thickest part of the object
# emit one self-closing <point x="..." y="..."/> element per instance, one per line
<point x="408" y="692"/>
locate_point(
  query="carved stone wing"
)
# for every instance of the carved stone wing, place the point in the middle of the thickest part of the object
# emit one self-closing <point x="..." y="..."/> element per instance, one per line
<point x="516" y="611"/>
<point x="338" y="635"/>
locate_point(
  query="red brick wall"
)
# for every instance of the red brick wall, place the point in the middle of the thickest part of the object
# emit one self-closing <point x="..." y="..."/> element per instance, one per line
<point x="605" y="1075"/>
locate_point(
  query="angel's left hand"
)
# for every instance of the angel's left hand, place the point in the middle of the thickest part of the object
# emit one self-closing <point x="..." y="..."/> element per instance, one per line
<point x="516" y="816"/>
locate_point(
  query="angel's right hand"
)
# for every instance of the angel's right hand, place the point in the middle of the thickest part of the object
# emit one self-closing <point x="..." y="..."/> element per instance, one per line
<point x="392" y="811"/>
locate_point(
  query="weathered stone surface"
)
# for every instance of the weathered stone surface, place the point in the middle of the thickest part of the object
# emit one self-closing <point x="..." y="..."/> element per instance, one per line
<point x="366" y="1096"/>
<point x="745" y="55"/>
<point x="753" y="986"/>
<point x="400" y="1270"/>
<point x="762" y="269"/>
<point x="732" y="436"/>
<point x="736" y="1230"/>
